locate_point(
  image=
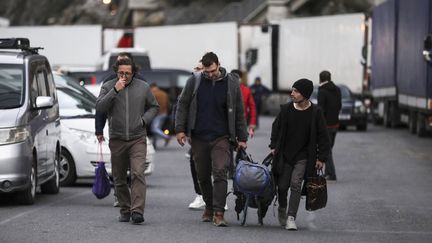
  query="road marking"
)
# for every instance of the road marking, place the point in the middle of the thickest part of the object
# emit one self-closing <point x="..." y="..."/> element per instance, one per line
<point x="42" y="207"/>
<point x="378" y="231"/>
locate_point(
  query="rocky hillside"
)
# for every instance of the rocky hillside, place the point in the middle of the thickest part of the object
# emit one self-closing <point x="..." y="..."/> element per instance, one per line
<point x="75" y="12"/>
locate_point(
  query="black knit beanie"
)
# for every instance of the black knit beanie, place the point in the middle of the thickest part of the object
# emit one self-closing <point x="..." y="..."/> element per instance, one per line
<point x="304" y="86"/>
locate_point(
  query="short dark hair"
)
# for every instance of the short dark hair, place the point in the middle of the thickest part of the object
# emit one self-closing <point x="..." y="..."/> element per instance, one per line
<point x="125" y="54"/>
<point x="325" y="76"/>
<point x="209" y="58"/>
<point x="125" y="61"/>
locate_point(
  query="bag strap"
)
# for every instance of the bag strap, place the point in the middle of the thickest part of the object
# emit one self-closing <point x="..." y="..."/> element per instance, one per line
<point x="100" y="154"/>
<point x="268" y="159"/>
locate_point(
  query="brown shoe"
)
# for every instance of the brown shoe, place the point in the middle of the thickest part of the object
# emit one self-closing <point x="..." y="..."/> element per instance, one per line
<point x="207" y="215"/>
<point x="218" y="219"/>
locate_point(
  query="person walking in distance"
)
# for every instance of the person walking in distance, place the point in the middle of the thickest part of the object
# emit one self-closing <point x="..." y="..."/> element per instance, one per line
<point x="213" y="118"/>
<point x="156" y="126"/>
<point x="259" y="93"/>
<point x="330" y="101"/>
<point x="248" y="103"/>
<point x="300" y="146"/>
<point x="198" y="202"/>
<point x="129" y="105"/>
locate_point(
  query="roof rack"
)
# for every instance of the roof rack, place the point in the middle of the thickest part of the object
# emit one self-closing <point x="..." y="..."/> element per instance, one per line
<point x="18" y="43"/>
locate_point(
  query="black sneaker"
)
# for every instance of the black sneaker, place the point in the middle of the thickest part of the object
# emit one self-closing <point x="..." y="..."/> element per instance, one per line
<point x="137" y="218"/>
<point x="124" y="217"/>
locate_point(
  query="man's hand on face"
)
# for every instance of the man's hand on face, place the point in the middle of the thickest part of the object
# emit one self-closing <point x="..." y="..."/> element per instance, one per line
<point x="120" y="84"/>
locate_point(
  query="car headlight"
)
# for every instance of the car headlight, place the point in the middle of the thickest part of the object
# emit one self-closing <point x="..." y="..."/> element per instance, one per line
<point x="13" y="135"/>
<point x="359" y="107"/>
<point x="85" y="136"/>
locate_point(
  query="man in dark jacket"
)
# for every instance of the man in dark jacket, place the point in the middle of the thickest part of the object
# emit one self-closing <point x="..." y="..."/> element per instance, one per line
<point x="100" y="118"/>
<point x="129" y="105"/>
<point x="210" y="112"/>
<point x="329" y="99"/>
<point x="300" y="145"/>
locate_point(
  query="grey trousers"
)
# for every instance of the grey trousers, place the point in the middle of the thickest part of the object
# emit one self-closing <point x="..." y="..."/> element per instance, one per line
<point x="212" y="158"/>
<point x="291" y="177"/>
<point x="121" y="153"/>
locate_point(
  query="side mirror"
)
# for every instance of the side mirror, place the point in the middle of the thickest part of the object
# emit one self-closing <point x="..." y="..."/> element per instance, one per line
<point x="44" y="102"/>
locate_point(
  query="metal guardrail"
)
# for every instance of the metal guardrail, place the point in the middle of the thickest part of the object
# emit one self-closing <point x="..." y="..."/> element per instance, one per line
<point x="238" y="11"/>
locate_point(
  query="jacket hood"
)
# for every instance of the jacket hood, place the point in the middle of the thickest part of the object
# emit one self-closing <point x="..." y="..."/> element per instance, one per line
<point x="223" y="75"/>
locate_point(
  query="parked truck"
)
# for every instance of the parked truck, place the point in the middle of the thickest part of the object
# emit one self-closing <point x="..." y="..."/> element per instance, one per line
<point x="302" y="48"/>
<point x="401" y="71"/>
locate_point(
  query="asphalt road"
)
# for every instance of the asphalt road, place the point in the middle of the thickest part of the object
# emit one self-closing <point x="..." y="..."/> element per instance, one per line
<point x="383" y="194"/>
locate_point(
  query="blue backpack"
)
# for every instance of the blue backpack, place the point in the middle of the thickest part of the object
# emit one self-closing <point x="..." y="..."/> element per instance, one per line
<point x="253" y="185"/>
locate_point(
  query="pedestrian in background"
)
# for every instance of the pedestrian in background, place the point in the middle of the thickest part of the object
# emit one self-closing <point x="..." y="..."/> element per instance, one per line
<point x="213" y="118"/>
<point x="248" y="102"/>
<point x="330" y="101"/>
<point x="129" y="105"/>
<point x="157" y="123"/>
<point x="259" y="93"/>
<point x="198" y="202"/>
<point x="300" y="145"/>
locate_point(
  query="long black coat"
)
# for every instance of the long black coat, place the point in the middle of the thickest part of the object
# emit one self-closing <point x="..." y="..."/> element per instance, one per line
<point x="319" y="142"/>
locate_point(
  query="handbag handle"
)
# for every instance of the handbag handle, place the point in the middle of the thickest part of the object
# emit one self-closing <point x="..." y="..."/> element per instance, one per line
<point x="100" y="154"/>
<point x="268" y="159"/>
<point x="244" y="155"/>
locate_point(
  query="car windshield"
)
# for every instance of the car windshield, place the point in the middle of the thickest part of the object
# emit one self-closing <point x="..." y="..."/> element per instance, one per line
<point x="75" y="103"/>
<point x="11" y="86"/>
<point x="182" y="79"/>
<point x="345" y="93"/>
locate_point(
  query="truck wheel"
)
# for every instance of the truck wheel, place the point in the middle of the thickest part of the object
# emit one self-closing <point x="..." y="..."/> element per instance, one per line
<point x="386" y="115"/>
<point x="28" y="196"/>
<point x="412" y="125"/>
<point x="53" y="185"/>
<point x="421" y="125"/>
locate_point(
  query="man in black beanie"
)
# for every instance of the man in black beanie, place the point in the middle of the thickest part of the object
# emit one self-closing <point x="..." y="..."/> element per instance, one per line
<point x="300" y="145"/>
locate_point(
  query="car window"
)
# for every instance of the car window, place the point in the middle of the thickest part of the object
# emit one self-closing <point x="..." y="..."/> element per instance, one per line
<point x="161" y="79"/>
<point x="345" y="93"/>
<point x="11" y="86"/>
<point x="73" y="104"/>
<point x="182" y="79"/>
<point x="41" y="82"/>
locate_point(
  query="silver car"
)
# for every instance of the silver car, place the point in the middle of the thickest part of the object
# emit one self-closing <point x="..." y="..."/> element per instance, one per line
<point x="29" y="124"/>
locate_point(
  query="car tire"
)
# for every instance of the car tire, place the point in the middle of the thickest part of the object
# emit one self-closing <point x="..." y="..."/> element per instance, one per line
<point x="67" y="168"/>
<point x="53" y="185"/>
<point x="28" y="196"/>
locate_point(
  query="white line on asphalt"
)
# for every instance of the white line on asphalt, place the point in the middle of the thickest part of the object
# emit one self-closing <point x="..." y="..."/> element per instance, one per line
<point x="42" y="207"/>
<point x="378" y="232"/>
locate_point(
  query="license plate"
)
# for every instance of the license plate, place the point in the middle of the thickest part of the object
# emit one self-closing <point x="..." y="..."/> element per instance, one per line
<point x="344" y="117"/>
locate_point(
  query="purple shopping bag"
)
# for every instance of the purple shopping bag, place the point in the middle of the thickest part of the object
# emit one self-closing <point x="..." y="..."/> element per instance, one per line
<point x="101" y="185"/>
